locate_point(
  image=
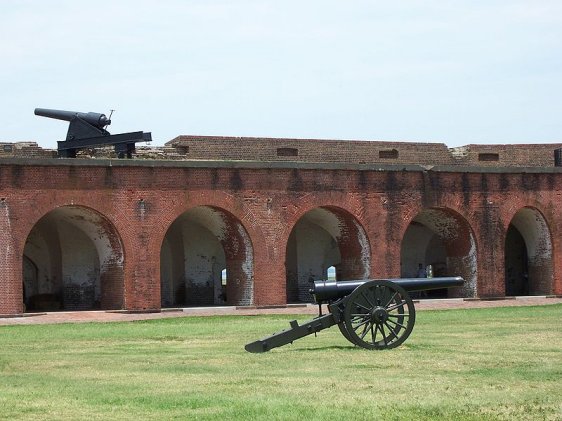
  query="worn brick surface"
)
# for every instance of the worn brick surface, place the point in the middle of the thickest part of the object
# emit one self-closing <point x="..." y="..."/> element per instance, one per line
<point x="140" y="199"/>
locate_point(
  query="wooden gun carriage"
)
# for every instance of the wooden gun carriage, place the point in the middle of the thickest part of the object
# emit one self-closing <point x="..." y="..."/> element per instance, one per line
<point x="372" y="314"/>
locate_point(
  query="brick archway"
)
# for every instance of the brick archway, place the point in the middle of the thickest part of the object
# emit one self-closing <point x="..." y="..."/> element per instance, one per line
<point x="325" y="237"/>
<point x="528" y="254"/>
<point x="442" y="240"/>
<point x="77" y="260"/>
<point x="206" y="259"/>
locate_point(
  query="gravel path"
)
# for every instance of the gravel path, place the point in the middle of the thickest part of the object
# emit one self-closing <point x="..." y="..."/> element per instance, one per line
<point x="106" y="316"/>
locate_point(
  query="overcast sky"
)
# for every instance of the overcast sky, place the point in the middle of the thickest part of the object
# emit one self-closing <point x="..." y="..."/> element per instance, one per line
<point x="457" y="72"/>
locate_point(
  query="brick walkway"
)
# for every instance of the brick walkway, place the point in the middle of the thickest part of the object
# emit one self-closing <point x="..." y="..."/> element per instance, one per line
<point x="104" y="316"/>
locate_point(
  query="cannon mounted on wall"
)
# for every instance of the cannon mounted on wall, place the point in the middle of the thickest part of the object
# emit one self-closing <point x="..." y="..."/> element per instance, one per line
<point x="372" y="314"/>
<point x="88" y="130"/>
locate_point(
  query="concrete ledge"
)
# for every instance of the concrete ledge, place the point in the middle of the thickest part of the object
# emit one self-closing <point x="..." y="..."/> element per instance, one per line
<point x="217" y="309"/>
<point x="143" y="311"/>
<point x="489" y="298"/>
<point x="155" y="163"/>
<point x="34" y="314"/>
<point x="274" y="306"/>
<point x="10" y="316"/>
<point x="518" y="297"/>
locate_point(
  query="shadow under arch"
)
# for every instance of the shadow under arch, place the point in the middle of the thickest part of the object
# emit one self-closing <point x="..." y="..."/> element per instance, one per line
<point x="206" y="259"/>
<point x="324" y="238"/>
<point x="441" y="240"/>
<point x="73" y="260"/>
<point x="528" y="254"/>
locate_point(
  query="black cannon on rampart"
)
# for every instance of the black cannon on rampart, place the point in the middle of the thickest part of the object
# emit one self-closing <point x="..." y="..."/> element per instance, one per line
<point x="372" y="314"/>
<point x="87" y="130"/>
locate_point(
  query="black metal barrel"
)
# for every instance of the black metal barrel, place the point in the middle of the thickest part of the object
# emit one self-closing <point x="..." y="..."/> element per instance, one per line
<point x="96" y="119"/>
<point x="333" y="290"/>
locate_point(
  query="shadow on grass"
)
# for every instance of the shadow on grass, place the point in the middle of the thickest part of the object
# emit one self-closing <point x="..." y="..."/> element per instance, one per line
<point x="326" y="348"/>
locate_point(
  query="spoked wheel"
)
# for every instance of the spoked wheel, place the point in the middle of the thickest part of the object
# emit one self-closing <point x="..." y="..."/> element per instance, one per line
<point x="345" y="333"/>
<point x="379" y="315"/>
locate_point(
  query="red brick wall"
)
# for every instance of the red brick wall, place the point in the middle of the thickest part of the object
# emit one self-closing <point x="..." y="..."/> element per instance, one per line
<point x="142" y="199"/>
<point x="359" y="152"/>
<point x="310" y="150"/>
<point x="507" y="155"/>
<point x="326" y="151"/>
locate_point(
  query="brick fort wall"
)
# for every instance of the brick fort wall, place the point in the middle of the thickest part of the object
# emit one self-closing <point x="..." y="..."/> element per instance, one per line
<point x="138" y="200"/>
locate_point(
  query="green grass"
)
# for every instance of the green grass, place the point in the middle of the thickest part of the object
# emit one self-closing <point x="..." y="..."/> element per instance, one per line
<point x="501" y="363"/>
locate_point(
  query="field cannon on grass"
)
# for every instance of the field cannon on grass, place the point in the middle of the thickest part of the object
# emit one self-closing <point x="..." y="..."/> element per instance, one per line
<point x="372" y="314"/>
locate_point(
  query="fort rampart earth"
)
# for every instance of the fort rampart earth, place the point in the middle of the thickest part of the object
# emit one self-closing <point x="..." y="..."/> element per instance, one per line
<point x="251" y="221"/>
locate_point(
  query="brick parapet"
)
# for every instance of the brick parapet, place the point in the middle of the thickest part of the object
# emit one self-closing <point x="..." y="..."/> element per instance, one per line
<point x="321" y="151"/>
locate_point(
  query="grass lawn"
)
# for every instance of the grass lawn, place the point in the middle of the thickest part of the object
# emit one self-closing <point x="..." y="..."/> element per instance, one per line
<point x="500" y="363"/>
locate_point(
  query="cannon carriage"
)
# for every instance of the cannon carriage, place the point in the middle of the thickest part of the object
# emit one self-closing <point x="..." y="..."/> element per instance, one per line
<point x="372" y="314"/>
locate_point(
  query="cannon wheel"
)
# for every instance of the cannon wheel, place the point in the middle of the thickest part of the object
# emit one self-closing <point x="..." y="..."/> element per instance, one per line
<point x="379" y="315"/>
<point x="345" y="333"/>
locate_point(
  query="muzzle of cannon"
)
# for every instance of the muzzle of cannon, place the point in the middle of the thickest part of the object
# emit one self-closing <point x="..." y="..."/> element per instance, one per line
<point x="95" y="119"/>
<point x="87" y="130"/>
<point x="373" y="314"/>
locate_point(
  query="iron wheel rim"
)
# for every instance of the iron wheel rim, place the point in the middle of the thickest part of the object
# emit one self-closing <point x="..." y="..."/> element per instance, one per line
<point x="379" y="315"/>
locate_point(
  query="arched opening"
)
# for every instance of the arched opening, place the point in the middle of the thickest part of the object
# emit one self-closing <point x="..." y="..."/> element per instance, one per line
<point x="331" y="274"/>
<point x="206" y="259"/>
<point x="325" y="242"/>
<point x="528" y="255"/>
<point x="73" y="260"/>
<point x="439" y="242"/>
<point x="30" y="280"/>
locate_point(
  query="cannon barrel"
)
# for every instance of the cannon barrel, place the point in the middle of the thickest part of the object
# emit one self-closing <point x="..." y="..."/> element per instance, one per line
<point x="324" y="291"/>
<point x="370" y="313"/>
<point x="95" y="119"/>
